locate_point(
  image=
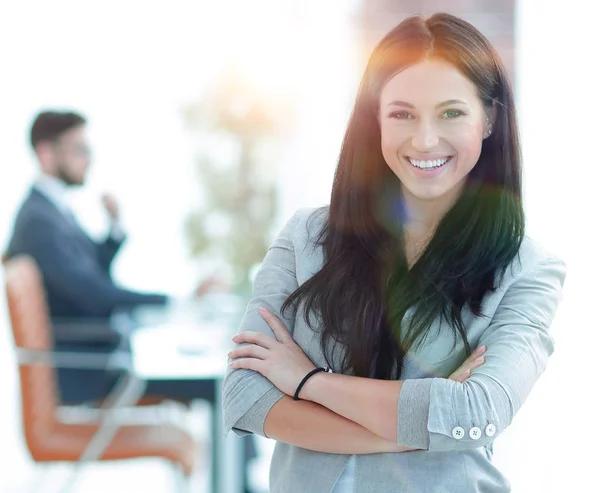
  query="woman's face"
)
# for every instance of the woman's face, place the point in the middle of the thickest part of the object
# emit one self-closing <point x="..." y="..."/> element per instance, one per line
<point x="432" y="126"/>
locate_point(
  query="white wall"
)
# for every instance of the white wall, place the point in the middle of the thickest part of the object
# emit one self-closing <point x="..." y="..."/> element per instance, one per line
<point x="554" y="439"/>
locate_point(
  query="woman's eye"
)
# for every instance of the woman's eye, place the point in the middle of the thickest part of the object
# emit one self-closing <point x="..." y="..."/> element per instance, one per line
<point x="452" y="114"/>
<point x="401" y="115"/>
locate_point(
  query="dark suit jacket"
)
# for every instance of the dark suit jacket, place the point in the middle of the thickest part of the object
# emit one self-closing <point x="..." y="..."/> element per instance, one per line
<point x="76" y="272"/>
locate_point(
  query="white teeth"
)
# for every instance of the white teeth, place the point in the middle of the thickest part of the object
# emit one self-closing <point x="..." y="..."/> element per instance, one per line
<point x="428" y="164"/>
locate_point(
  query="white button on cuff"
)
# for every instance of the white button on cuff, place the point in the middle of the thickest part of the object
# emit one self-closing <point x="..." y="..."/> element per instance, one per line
<point x="490" y="430"/>
<point x="458" y="432"/>
<point x="475" y="433"/>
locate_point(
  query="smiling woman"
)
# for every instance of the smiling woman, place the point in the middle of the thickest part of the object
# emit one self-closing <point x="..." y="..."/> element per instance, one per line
<point x="420" y="258"/>
<point x="432" y="146"/>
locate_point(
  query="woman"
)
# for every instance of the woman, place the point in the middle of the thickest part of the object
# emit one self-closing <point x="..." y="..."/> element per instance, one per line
<point x="420" y="257"/>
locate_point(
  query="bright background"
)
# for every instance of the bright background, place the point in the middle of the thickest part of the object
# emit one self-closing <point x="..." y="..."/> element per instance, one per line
<point x="131" y="66"/>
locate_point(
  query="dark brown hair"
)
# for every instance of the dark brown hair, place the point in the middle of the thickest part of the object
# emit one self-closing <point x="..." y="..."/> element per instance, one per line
<point x="50" y="125"/>
<point x="365" y="289"/>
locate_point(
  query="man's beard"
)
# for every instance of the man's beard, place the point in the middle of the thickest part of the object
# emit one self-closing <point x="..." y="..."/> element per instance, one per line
<point x="67" y="179"/>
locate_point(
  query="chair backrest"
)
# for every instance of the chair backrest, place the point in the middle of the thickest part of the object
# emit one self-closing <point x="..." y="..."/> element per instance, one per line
<point x="31" y="329"/>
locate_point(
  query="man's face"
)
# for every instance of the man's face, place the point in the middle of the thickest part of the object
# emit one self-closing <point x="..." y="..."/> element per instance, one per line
<point x="69" y="157"/>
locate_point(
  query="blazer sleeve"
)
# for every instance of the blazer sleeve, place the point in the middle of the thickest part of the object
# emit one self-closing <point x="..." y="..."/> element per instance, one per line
<point x="247" y="395"/>
<point x="432" y="412"/>
<point x="74" y="278"/>
<point x="107" y="250"/>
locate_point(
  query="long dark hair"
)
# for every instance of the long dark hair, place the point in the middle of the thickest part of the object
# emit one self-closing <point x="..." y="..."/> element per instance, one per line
<point x="365" y="296"/>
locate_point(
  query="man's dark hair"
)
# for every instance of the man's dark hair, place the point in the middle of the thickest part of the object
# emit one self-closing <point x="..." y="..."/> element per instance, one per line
<point x="50" y="125"/>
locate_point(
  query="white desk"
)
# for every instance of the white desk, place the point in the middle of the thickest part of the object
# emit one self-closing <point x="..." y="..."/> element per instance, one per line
<point x="197" y="352"/>
<point x="166" y="352"/>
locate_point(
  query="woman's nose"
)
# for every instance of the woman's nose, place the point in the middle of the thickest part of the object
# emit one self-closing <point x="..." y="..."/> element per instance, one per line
<point x="425" y="137"/>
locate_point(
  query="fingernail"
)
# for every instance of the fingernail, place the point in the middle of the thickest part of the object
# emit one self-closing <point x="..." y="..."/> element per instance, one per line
<point x="480" y="359"/>
<point x="262" y="309"/>
<point x="481" y="349"/>
<point x="467" y="371"/>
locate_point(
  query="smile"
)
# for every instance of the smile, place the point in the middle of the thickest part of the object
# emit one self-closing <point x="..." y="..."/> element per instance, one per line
<point x="429" y="164"/>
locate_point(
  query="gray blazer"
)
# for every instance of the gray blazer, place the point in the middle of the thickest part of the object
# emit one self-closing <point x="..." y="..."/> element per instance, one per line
<point x="438" y="415"/>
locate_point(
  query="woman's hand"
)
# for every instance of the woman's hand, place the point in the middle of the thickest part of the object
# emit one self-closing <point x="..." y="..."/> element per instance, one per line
<point x="474" y="361"/>
<point x="284" y="363"/>
<point x="280" y="360"/>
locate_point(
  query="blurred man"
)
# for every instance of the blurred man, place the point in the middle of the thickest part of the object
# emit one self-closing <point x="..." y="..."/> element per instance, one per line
<point x="76" y="269"/>
<point x="80" y="291"/>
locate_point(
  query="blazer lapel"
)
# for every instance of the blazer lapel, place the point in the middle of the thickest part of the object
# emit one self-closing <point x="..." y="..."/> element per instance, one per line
<point x="67" y="221"/>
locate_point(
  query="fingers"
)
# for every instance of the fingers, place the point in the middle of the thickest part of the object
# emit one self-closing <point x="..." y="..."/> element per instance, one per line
<point x="280" y="330"/>
<point x="250" y="351"/>
<point x="263" y="340"/>
<point x="477" y="353"/>
<point x="249" y="364"/>
<point x="256" y="338"/>
<point x="475" y="360"/>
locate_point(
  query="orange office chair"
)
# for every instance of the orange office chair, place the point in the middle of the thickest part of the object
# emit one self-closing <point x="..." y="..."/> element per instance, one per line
<point x="50" y="440"/>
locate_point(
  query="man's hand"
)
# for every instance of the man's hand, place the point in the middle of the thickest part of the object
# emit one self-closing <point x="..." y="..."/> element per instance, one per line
<point x="211" y="285"/>
<point x="111" y="206"/>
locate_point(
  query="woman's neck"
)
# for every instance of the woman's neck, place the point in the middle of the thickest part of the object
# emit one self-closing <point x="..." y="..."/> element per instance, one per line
<point x="423" y="217"/>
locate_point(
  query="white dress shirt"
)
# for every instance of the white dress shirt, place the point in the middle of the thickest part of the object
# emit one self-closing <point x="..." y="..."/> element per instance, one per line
<point x="57" y="192"/>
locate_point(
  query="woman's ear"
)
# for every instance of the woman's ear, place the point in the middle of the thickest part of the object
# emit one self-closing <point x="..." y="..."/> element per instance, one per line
<point x="490" y="120"/>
